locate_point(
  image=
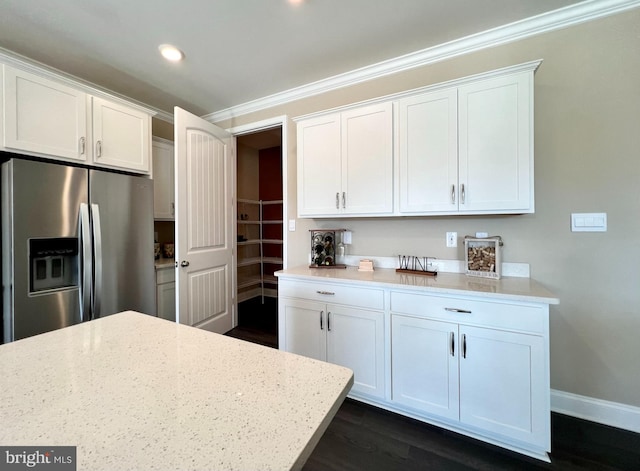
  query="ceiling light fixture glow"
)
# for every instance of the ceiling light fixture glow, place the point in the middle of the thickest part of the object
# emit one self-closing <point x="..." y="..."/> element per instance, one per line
<point x="171" y="53"/>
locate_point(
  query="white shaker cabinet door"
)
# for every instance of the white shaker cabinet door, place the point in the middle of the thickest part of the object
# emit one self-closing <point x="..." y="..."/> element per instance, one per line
<point x="302" y="327"/>
<point x="496" y="145"/>
<point x="166" y="299"/>
<point x="163" y="180"/>
<point x="121" y="136"/>
<point x="42" y="116"/>
<point x="355" y="339"/>
<point x="428" y="152"/>
<point x="424" y="355"/>
<point x="502" y="384"/>
<point x="367" y="160"/>
<point x="319" y="185"/>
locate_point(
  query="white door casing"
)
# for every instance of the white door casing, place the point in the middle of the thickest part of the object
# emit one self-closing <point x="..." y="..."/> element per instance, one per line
<point x="205" y="159"/>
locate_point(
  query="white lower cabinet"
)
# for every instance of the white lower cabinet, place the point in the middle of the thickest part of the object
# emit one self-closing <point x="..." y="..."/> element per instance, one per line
<point x="469" y="363"/>
<point x="424" y="369"/>
<point x="502" y="386"/>
<point x="343" y="335"/>
<point x="166" y="293"/>
<point x="480" y="365"/>
<point x="486" y="378"/>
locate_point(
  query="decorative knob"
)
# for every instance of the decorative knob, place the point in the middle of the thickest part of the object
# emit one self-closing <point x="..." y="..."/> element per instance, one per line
<point x="184" y="263"/>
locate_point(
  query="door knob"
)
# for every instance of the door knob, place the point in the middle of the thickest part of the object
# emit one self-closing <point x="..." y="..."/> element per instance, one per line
<point x="184" y="263"/>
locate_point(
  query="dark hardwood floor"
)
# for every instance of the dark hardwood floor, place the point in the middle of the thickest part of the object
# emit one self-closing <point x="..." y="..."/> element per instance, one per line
<point x="257" y="322"/>
<point x="363" y="437"/>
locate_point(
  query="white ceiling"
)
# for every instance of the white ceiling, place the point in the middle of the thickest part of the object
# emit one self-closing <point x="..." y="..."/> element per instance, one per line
<point x="237" y="50"/>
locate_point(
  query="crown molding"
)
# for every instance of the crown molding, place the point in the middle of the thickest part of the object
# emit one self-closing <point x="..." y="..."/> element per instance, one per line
<point x="530" y="66"/>
<point x="42" y="70"/>
<point x="562" y="18"/>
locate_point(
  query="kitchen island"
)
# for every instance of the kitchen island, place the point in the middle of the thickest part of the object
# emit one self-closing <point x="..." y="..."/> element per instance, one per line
<point x="135" y="392"/>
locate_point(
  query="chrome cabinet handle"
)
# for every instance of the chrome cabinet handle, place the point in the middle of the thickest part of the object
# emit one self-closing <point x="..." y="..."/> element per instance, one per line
<point x="344" y="200"/>
<point x="453" y="194"/>
<point x="453" y="344"/>
<point x="329" y="321"/>
<point x="173" y="209"/>
<point x="321" y="326"/>
<point x="464" y="345"/>
<point x="453" y="309"/>
<point x="98" y="148"/>
<point x="82" y="145"/>
<point x="328" y="293"/>
<point x="184" y="263"/>
<point x="462" y="194"/>
<point x="337" y="200"/>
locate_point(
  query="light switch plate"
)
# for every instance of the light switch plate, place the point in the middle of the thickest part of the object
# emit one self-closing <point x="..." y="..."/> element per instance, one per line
<point x="588" y="222"/>
<point x="292" y="225"/>
<point x="346" y="237"/>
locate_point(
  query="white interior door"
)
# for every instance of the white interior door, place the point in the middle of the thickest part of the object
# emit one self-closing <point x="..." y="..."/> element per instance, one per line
<point x="205" y="162"/>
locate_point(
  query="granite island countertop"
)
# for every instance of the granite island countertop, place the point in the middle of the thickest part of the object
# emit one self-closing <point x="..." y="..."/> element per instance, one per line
<point x="133" y="391"/>
<point x="506" y="288"/>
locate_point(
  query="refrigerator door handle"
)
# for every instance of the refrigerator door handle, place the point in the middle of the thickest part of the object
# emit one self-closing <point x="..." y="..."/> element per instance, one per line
<point x="97" y="258"/>
<point x="84" y="229"/>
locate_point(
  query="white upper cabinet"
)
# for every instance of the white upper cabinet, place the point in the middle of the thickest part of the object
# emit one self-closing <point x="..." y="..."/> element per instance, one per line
<point x="496" y="145"/>
<point x="44" y="117"/>
<point x="345" y="163"/>
<point x="428" y="152"/>
<point x="319" y="168"/>
<point x="468" y="149"/>
<point x="121" y="136"/>
<point x="51" y="118"/>
<point x="367" y="160"/>
<point x="163" y="180"/>
<point x="462" y="147"/>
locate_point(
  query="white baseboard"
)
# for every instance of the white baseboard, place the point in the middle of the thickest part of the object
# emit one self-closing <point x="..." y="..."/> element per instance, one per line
<point x="596" y="410"/>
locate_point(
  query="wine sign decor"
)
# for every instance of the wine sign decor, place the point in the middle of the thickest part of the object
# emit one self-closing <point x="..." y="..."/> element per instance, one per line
<point x="415" y="265"/>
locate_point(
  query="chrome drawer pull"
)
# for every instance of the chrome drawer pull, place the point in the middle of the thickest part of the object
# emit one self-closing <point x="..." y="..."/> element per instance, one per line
<point x="453" y="309"/>
<point x="329" y="293"/>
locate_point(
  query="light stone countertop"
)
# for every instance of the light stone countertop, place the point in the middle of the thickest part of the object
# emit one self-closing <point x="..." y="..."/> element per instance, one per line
<point x="506" y="288"/>
<point x="165" y="263"/>
<point x="134" y="392"/>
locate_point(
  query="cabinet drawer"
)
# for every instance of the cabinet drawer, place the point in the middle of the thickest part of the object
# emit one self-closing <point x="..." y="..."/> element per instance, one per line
<point x="165" y="275"/>
<point x="502" y="315"/>
<point x="367" y="298"/>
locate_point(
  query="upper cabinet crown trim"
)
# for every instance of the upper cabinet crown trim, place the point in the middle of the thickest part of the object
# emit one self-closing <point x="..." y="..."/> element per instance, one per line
<point x="44" y="71"/>
<point x="524" y="67"/>
<point x="547" y="22"/>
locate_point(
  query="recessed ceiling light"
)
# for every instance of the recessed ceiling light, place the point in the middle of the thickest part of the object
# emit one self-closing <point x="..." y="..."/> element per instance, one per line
<point x="171" y="53"/>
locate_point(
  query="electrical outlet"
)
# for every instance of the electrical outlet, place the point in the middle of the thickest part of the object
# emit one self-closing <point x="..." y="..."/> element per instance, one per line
<point x="452" y="239"/>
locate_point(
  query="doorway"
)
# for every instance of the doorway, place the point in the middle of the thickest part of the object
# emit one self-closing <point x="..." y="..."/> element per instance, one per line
<point x="260" y="233"/>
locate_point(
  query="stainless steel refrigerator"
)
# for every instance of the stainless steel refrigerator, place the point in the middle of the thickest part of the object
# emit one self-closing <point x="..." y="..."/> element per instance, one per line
<point x="77" y="244"/>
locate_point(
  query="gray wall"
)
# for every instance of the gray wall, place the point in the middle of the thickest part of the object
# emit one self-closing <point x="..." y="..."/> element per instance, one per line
<point x="587" y="141"/>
